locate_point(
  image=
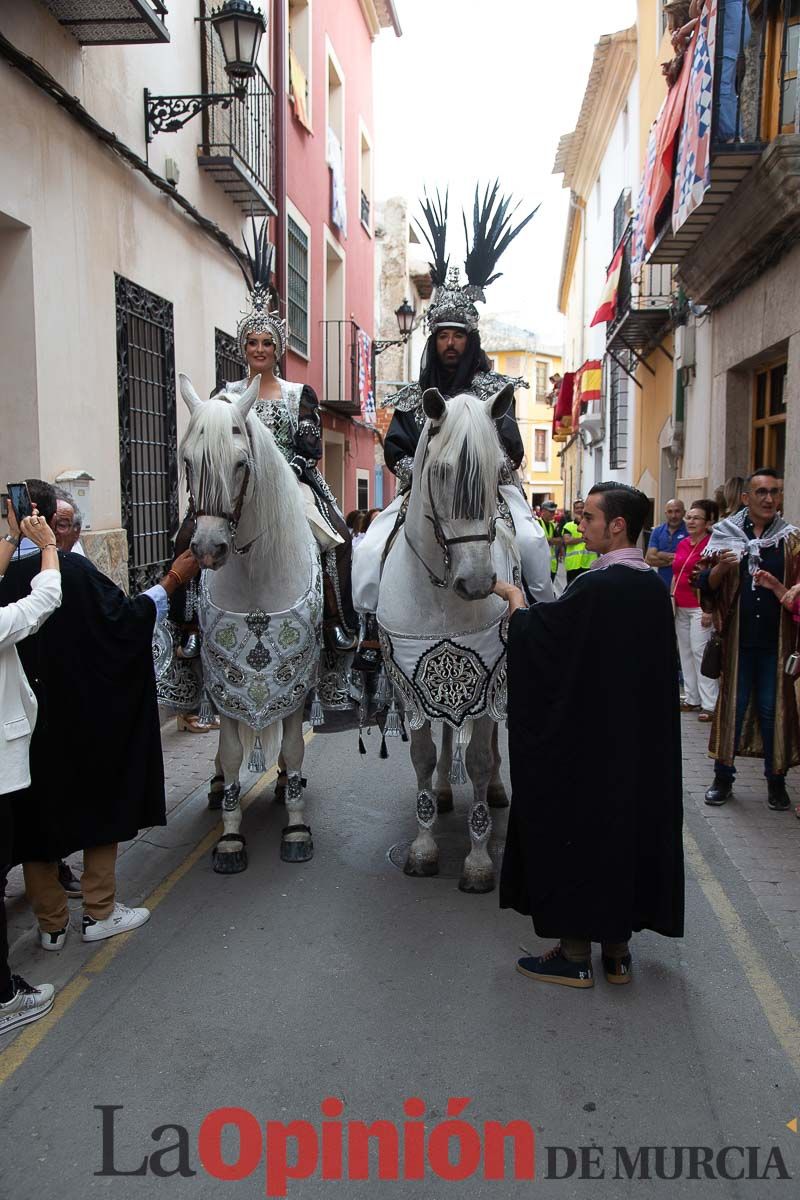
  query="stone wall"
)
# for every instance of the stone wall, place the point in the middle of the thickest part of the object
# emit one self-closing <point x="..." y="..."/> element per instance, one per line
<point x="108" y="550"/>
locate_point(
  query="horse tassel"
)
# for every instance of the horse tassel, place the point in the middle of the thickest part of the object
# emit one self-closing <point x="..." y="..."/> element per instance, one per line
<point x="256" y="761"/>
<point x="394" y="725"/>
<point x="317" y="716"/>
<point x="458" y="772"/>
<point x="205" y="715"/>
<point x="383" y="694"/>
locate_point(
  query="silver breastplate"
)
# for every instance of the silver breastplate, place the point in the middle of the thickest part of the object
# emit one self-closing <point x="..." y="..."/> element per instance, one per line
<point x="277" y="418"/>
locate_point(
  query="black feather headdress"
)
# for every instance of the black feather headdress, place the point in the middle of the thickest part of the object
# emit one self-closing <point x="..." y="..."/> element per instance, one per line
<point x="256" y="266"/>
<point x="493" y="231"/>
<point x="435" y="214"/>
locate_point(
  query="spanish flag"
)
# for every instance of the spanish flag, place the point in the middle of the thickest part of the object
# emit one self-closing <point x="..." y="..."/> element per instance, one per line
<point x="608" y="303"/>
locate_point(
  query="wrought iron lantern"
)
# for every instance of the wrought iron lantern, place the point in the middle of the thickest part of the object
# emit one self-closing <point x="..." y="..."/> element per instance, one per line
<point x="240" y="27"/>
<point x="406" y="315"/>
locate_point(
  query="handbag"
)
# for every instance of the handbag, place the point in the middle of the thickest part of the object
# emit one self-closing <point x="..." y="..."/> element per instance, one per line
<point x="711" y="664"/>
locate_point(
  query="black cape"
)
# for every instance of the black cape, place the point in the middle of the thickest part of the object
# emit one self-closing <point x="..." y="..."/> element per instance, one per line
<point x="97" y="773"/>
<point x="594" y="847"/>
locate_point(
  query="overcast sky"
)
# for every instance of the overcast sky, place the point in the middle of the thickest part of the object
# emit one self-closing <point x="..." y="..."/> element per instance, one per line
<point x="476" y="89"/>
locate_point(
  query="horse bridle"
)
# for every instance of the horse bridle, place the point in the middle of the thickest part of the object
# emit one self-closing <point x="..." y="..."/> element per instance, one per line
<point x="232" y="517"/>
<point x="443" y="542"/>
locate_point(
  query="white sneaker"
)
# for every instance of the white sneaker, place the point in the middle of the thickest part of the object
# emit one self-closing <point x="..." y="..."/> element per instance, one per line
<point x="121" y="920"/>
<point x="27" y="1004"/>
<point x="53" y="941"/>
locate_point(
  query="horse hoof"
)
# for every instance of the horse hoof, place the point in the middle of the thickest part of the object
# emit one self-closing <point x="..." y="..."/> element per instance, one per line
<point x="444" y="801"/>
<point x="422" y="869"/>
<point x="476" y="885"/>
<point x="497" y="797"/>
<point x="229" y="862"/>
<point x="297" y="852"/>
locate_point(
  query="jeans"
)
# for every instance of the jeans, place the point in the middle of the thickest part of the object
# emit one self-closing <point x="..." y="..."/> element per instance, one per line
<point x="758" y="675"/>
<point x="5" y="857"/>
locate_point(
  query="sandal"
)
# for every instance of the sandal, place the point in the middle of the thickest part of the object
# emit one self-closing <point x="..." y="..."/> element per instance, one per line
<point x="705" y="717"/>
<point x="191" y="723"/>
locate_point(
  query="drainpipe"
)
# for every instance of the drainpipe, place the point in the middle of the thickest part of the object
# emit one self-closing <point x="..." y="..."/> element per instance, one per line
<point x="279" y="117"/>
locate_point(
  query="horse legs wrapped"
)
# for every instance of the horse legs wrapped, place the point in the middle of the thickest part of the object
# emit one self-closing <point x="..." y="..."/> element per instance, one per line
<point x="444" y="789"/>
<point x="423" y="855"/>
<point x="478" y="871"/>
<point x="229" y="856"/>
<point x="296" y="842"/>
<point x="496" y="792"/>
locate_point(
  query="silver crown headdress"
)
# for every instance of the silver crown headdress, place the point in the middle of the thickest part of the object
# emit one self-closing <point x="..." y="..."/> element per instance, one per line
<point x="453" y="304"/>
<point x="260" y="316"/>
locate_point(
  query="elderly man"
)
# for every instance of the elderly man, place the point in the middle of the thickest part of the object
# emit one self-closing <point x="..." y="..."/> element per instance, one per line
<point x="67" y="523"/>
<point x="594" y="855"/>
<point x="756" y="715"/>
<point x="664" y="540"/>
<point x="93" y="658"/>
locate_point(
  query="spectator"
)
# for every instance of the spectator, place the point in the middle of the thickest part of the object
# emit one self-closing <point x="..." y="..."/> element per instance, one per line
<point x="548" y="524"/>
<point x="93" y="659"/>
<point x="372" y="514"/>
<point x="594" y="855"/>
<point x="728" y="496"/>
<point x="20" y="1002"/>
<point x="577" y="559"/>
<point x="68" y="523"/>
<point x="664" y="541"/>
<point x="757" y="637"/>
<point x="692" y="625"/>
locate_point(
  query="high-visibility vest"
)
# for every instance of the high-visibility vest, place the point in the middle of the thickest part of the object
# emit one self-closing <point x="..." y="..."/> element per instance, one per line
<point x="550" y="532"/>
<point x="576" y="556"/>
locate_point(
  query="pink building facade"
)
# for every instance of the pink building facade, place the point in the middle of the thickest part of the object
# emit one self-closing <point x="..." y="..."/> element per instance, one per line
<point x="328" y="247"/>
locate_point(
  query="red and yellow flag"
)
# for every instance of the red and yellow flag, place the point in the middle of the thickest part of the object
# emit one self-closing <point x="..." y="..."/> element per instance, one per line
<point x="608" y="302"/>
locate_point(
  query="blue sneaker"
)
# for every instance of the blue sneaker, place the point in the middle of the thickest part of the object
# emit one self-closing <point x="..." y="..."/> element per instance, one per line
<point x="553" y="967"/>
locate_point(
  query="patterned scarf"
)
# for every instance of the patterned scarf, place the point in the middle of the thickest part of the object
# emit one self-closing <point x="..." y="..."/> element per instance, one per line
<point x="628" y="556"/>
<point x="730" y="534"/>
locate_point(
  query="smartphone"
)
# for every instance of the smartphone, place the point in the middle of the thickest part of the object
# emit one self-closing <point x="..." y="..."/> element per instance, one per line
<point x="20" y="499"/>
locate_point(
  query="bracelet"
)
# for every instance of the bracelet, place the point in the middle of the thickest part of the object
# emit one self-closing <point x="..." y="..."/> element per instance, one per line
<point x="12" y="541"/>
<point x="50" y="546"/>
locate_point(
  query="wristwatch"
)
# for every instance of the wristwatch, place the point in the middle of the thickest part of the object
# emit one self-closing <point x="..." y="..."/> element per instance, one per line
<point x="13" y="541"/>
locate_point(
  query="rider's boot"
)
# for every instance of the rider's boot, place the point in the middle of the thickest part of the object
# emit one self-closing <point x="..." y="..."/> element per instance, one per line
<point x="368" y="655"/>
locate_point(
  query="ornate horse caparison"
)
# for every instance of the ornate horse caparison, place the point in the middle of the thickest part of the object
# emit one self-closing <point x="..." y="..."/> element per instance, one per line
<point x="442" y="628"/>
<point x="260" y="606"/>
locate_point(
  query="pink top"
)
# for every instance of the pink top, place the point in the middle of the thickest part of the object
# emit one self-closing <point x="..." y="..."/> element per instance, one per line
<point x="683" y="564"/>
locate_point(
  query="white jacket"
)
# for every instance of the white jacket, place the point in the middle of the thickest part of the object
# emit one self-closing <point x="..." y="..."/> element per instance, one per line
<point x="17" y="701"/>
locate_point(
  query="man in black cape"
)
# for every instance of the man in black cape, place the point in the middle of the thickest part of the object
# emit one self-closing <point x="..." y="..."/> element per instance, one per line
<point x="97" y="774"/>
<point x="593" y="854"/>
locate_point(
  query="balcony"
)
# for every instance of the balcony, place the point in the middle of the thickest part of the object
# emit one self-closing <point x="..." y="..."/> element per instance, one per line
<point x="644" y="307"/>
<point x="341" y="393"/>
<point x="112" y="22"/>
<point x="753" y="152"/>
<point x="238" y="147"/>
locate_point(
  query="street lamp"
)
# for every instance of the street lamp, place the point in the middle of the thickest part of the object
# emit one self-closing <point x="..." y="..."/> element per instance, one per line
<point x="240" y="28"/>
<point x="406" y="315"/>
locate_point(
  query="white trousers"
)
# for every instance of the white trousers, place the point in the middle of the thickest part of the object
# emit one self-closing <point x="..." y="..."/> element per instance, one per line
<point x="692" y="638"/>
<point x="532" y="545"/>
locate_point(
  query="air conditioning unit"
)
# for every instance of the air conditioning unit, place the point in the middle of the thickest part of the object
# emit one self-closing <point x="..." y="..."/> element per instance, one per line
<point x="686" y="345"/>
<point x="592" y="428"/>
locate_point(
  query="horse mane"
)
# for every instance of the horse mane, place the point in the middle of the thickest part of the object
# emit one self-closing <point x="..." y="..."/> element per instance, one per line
<point x="465" y="442"/>
<point x="274" y="502"/>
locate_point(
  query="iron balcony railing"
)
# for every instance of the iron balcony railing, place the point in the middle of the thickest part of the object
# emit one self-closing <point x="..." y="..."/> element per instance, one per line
<point x="365" y="209"/>
<point x="341" y="391"/>
<point x="238" y="147"/>
<point x="756" y="63"/>
<point x="644" y="305"/>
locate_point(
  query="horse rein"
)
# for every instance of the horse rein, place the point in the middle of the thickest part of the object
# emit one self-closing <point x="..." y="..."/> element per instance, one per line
<point x="233" y="517"/>
<point x="443" y="542"/>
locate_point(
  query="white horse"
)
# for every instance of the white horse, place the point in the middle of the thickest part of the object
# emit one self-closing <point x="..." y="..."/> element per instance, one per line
<point x="260" y="605"/>
<point x="442" y="628"/>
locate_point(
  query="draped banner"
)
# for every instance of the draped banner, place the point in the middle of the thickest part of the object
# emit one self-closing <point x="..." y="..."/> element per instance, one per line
<point x="693" y="174"/>
<point x="608" y="301"/>
<point x="562" y="414"/>
<point x="366" y="392"/>
<point x="588" y="387"/>
<point x="639" y="245"/>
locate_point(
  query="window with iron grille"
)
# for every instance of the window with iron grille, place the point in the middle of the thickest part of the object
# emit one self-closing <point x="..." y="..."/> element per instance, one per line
<point x="618" y="417"/>
<point x="298" y="287"/>
<point x="228" y="362"/>
<point x="147" y="430"/>
<point x="621" y="215"/>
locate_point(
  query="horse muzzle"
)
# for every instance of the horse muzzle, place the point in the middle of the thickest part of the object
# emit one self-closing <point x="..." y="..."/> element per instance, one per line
<point x="211" y="553"/>
<point x="474" y="587"/>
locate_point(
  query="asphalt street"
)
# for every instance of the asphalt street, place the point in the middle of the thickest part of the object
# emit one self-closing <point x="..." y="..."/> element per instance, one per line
<point x="275" y="989"/>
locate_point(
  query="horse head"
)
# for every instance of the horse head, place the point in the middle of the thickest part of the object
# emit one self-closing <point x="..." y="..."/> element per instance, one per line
<point x="218" y="461"/>
<point x="458" y="481"/>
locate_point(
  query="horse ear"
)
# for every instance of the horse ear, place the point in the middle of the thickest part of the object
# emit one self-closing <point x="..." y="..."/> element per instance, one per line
<point x="191" y="397"/>
<point x="499" y="404"/>
<point x="249" y="397"/>
<point x="434" y="404"/>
